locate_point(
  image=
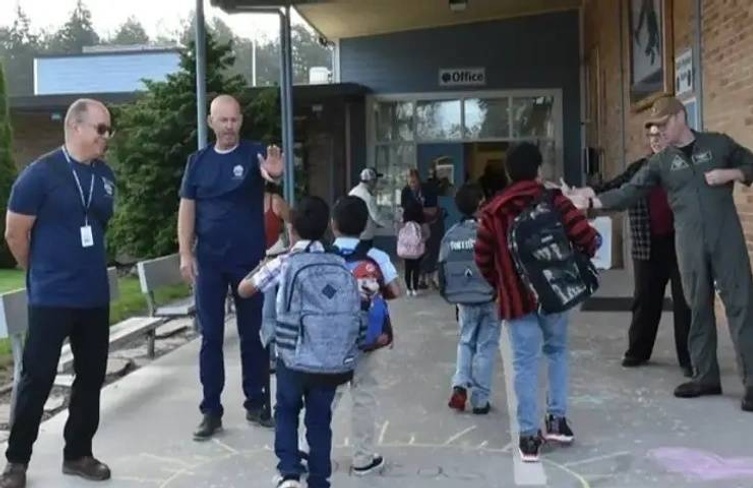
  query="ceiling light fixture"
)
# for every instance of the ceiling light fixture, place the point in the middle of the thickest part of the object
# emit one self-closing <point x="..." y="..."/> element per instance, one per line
<point x="458" y="5"/>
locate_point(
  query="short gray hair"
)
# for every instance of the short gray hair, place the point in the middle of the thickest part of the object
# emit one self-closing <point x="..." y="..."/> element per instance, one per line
<point x="77" y="111"/>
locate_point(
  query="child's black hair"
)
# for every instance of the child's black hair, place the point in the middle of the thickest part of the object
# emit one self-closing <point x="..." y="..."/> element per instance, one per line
<point x="468" y="198"/>
<point x="523" y="162"/>
<point x="310" y="218"/>
<point x="350" y="215"/>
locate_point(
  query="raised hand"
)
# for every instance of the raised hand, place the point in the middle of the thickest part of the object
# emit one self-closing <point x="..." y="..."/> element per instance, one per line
<point x="273" y="164"/>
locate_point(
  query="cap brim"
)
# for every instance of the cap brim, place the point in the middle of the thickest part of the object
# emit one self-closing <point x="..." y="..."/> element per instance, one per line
<point x="655" y="121"/>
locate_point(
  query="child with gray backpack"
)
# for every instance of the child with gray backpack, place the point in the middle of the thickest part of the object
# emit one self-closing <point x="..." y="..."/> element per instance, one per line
<point x="319" y="328"/>
<point x="461" y="284"/>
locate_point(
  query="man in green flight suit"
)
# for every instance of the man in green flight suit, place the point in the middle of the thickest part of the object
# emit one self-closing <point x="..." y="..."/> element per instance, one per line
<point x="698" y="170"/>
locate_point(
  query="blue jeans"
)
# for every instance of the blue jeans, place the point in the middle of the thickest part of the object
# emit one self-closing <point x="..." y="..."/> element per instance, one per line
<point x="477" y="350"/>
<point x="292" y="392"/>
<point x="527" y="336"/>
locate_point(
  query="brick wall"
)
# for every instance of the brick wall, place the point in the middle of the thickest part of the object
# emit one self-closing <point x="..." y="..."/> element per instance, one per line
<point x="728" y="82"/>
<point x="727" y="62"/>
<point x="33" y="135"/>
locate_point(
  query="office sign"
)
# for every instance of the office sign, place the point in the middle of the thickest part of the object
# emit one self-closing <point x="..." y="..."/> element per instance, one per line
<point x="450" y="77"/>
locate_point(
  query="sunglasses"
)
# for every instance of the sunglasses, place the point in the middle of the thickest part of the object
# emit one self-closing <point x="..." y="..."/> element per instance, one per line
<point x="103" y="129"/>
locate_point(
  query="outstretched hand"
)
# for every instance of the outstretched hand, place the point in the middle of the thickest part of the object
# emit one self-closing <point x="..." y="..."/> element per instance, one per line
<point x="273" y="164"/>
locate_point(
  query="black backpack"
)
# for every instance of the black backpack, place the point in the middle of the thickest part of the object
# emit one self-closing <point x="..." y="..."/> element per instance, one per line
<point x="559" y="275"/>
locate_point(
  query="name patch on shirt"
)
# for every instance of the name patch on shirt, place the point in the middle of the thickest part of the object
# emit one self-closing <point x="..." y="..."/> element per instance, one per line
<point x="701" y="158"/>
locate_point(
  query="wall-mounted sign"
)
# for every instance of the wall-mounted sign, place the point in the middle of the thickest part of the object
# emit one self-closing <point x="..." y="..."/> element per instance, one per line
<point x="462" y="77"/>
<point x="684" y="73"/>
<point x="692" y="110"/>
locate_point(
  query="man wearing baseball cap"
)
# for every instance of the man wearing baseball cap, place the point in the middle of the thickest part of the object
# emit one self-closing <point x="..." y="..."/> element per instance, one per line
<point x="698" y="170"/>
<point x="365" y="191"/>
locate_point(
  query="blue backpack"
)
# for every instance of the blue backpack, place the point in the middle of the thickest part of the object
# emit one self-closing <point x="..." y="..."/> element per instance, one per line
<point x="371" y="284"/>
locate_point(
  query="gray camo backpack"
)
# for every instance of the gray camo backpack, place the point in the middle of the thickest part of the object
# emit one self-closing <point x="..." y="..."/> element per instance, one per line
<point x="460" y="281"/>
<point x="319" y="320"/>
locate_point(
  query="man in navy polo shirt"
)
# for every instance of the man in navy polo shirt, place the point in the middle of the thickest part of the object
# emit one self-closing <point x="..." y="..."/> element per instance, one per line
<point x="221" y="238"/>
<point x="57" y="217"/>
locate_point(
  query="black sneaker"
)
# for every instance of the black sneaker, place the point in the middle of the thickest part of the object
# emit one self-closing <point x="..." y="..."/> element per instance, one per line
<point x="209" y="426"/>
<point x="529" y="447"/>
<point x="14" y="476"/>
<point x="376" y="464"/>
<point x="557" y="430"/>
<point x="260" y="417"/>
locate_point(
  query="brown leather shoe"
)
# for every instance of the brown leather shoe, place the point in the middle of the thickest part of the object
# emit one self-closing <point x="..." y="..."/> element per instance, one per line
<point x="14" y="476"/>
<point x="88" y="468"/>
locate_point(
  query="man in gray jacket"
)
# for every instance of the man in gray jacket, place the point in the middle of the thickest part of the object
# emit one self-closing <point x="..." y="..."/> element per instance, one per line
<point x="698" y="170"/>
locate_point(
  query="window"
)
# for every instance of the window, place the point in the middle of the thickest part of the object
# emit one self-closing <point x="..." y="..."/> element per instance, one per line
<point x="438" y="120"/>
<point x="394" y="121"/>
<point x="532" y="117"/>
<point x="400" y="123"/>
<point x="394" y="161"/>
<point x="487" y="118"/>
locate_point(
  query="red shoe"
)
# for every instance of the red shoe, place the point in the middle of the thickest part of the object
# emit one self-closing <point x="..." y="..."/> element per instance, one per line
<point x="458" y="399"/>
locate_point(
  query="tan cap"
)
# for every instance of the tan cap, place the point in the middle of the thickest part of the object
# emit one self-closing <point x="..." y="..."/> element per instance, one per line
<point x="662" y="109"/>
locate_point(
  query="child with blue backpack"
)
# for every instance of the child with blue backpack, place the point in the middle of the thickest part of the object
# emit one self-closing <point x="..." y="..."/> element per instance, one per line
<point x="378" y="282"/>
<point x="461" y="284"/>
<point x="319" y="328"/>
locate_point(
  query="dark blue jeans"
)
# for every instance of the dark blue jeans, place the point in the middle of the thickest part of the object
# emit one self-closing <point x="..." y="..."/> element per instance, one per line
<point x="292" y="395"/>
<point x="211" y="290"/>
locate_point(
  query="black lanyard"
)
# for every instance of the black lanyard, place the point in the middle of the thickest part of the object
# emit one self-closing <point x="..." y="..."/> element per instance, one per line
<point x="85" y="202"/>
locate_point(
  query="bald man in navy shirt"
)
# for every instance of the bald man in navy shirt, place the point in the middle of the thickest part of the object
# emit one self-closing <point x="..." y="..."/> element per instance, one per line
<point x="221" y="238"/>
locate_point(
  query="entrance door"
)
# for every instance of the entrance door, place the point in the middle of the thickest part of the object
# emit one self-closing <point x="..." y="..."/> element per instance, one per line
<point x="423" y="130"/>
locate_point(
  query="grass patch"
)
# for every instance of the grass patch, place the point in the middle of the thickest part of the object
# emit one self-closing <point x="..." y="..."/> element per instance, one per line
<point x="130" y="303"/>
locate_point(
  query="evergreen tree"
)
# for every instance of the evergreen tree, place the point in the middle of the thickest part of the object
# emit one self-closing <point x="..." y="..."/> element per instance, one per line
<point x="156" y="134"/>
<point x="130" y="32"/>
<point x="78" y="32"/>
<point x="7" y="167"/>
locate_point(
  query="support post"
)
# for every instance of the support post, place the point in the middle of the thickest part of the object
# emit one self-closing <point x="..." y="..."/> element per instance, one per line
<point x="201" y="77"/>
<point x="286" y="100"/>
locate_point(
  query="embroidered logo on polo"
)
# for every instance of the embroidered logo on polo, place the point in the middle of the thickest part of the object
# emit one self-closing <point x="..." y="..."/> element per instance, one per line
<point x="238" y="171"/>
<point x="108" y="186"/>
<point x="678" y="163"/>
<point x="701" y="158"/>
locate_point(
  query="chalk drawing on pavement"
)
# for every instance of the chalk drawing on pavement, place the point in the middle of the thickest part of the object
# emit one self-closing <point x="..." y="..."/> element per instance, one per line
<point x="700" y="465"/>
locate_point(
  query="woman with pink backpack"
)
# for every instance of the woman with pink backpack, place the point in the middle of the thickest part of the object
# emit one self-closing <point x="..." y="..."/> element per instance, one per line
<point x="411" y="245"/>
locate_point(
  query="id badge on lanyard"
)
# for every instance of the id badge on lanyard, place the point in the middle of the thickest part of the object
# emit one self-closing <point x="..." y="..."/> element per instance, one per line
<point x="87" y="237"/>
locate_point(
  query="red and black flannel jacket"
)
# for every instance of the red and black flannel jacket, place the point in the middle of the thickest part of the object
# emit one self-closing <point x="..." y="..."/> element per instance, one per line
<point x="493" y="256"/>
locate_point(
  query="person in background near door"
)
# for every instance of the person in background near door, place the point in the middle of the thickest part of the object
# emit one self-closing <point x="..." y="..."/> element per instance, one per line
<point x="494" y="179"/>
<point x="276" y="217"/>
<point x="366" y="191"/>
<point x="57" y="217"/>
<point x="655" y="264"/>
<point x="434" y="216"/>
<point x="221" y="215"/>
<point x="698" y="170"/>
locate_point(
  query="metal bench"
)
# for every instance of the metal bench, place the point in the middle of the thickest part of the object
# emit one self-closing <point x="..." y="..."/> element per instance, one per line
<point x="159" y="273"/>
<point x="135" y="326"/>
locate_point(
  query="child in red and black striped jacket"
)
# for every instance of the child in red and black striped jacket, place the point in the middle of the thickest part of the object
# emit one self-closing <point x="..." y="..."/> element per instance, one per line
<point x="527" y="327"/>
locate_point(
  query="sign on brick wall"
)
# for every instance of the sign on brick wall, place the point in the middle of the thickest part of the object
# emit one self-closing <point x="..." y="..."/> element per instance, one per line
<point x="684" y="73"/>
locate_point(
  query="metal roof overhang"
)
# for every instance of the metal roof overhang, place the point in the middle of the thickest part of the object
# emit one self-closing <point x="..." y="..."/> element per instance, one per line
<point x="337" y="19"/>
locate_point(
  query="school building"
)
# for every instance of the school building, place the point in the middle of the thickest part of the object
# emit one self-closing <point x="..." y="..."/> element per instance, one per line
<point x="453" y="82"/>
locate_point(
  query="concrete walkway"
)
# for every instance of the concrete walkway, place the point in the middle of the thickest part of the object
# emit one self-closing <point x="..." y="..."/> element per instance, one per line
<point x="630" y="430"/>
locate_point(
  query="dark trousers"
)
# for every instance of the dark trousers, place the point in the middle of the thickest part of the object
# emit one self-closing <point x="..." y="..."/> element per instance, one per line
<point x="88" y="332"/>
<point x="651" y="278"/>
<point x="293" y="393"/>
<point x="211" y="291"/>
<point x="412" y="273"/>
